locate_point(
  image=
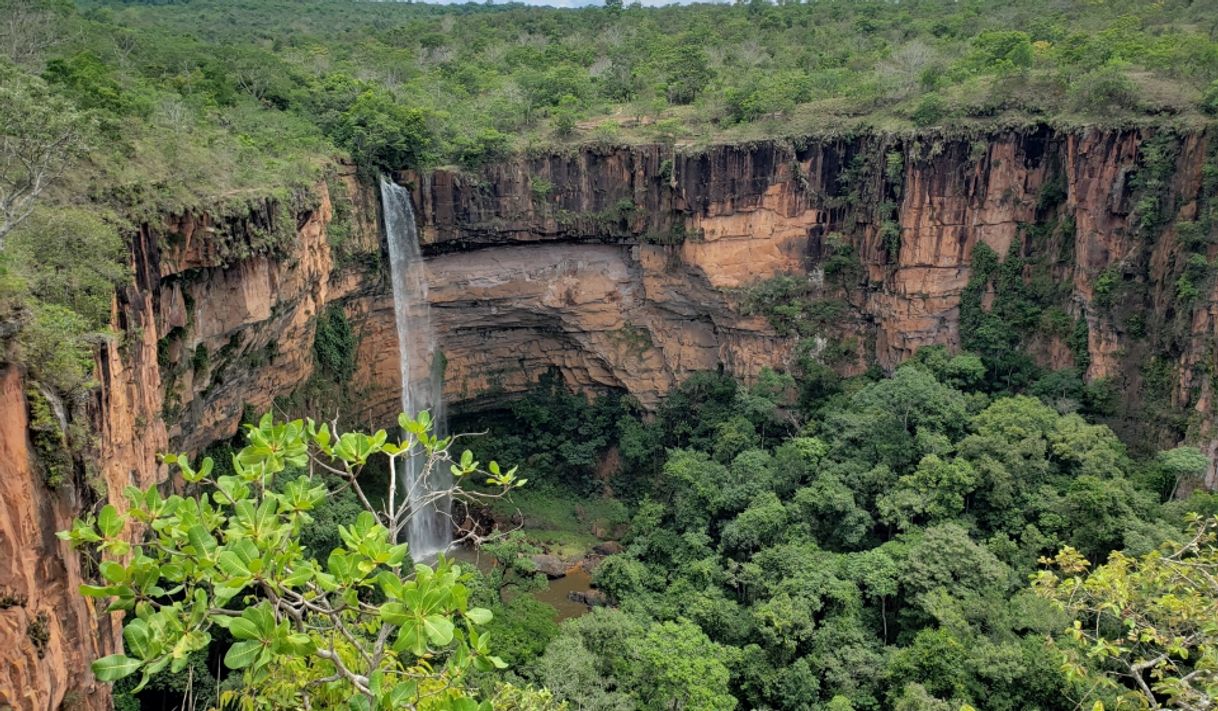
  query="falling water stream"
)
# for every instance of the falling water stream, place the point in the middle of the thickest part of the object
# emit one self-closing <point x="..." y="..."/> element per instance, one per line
<point x="429" y="530"/>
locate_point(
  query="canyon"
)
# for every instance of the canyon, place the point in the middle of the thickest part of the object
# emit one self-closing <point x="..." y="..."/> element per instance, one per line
<point x="623" y="268"/>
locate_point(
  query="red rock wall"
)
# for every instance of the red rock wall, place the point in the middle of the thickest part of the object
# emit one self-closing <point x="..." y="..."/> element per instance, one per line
<point x="38" y="581"/>
<point x="751" y="212"/>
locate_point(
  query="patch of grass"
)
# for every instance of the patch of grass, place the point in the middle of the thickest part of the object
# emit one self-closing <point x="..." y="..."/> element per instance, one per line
<point x="564" y="524"/>
<point x="564" y="544"/>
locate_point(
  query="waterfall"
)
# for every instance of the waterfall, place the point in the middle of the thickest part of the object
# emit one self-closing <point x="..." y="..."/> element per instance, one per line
<point x="430" y="528"/>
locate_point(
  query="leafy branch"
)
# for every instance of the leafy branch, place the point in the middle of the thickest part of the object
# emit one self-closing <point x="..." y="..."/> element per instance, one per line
<point x="1151" y="622"/>
<point x="365" y="629"/>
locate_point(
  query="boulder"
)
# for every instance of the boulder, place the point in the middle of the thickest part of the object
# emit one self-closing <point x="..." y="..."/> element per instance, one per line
<point x="591" y="598"/>
<point x="607" y="548"/>
<point x="551" y="565"/>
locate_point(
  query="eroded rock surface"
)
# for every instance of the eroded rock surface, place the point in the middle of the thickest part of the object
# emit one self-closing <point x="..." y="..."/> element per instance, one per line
<point x="48" y="632"/>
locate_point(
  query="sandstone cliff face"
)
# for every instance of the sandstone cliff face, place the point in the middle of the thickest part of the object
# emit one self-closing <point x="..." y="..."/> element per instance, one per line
<point x="907" y="213"/>
<point x="745" y="214"/>
<point x="605" y="316"/>
<point x="48" y="633"/>
<point x="621" y="268"/>
<point x="624" y="268"/>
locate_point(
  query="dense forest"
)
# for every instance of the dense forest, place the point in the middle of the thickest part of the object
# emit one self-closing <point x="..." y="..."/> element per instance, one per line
<point x="856" y="544"/>
<point x="957" y="533"/>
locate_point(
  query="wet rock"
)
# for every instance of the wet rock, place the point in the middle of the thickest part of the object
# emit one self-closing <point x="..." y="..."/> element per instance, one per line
<point x="607" y="548"/>
<point x="591" y="598"/>
<point x="551" y="565"/>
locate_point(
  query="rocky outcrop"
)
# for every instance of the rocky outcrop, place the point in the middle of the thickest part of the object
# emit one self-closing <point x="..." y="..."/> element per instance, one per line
<point x="591" y="598"/>
<point x="218" y="321"/>
<point x="605" y="316"/>
<point x="234" y="333"/>
<point x="551" y="566"/>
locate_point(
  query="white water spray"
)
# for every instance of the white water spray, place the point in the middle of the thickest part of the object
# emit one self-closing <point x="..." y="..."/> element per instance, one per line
<point x="430" y="528"/>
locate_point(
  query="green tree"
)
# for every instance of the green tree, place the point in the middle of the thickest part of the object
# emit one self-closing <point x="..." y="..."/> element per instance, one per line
<point x="72" y="259"/>
<point x="934" y="492"/>
<point x="568" y="669"/>
<point x="1145" y="629"/>
<point x="758" y="525"/>
<point x="686" y="69"/>
<point x="681" y="669"/>
<point x="514" y="570"/>
<point x="40" y="135"/>
<point x="382" y="133"/>
<point x="1181" y="465"/>
<point x="363" y="628"/>
<point x="1002" y="51"/>
<point x="883" y="420"/>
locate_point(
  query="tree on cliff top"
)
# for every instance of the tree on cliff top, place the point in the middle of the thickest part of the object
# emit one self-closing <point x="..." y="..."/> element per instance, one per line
<point x="364" y="630"/>
<point x="40" y="134"/>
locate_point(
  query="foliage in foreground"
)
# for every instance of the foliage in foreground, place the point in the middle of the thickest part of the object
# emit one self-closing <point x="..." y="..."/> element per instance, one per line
<point x="363" y="629"/>
<point x="1148" y="624"/>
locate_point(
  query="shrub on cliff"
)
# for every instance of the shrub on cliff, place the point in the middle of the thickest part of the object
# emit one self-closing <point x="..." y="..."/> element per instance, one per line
<point x="67" y="264"/>
<point x="1209" y="100"/>
<point x="334" y="344"/>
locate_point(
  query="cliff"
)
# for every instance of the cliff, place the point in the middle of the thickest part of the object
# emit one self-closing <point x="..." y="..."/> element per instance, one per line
<point x="629" y="268"/>
<point x="217" y="322"/>
<point x="48" y="632"/>
<point x="881" y="233"/>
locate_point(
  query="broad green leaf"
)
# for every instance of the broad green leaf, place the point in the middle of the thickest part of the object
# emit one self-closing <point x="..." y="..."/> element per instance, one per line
<point x="299" y="644"/>
<point x="411" y="639"/>
<point x="262" y="616"/>
<point x="232" y="565"/>
<point x="242" y="654"/>
<point x="115" y="667"/>
<point x="81" y="532"/>
<point x="137" y="635"/>
<point x="402" y="694"/>
<point x="479" y="615"/>
<point x="189" y="642"/>
<point x="439" y="629"/>
<point x="144" y="679"/>
<point x="179" y="662"/>
<point x="109" y="522"/>
<point x="202" y="541"/>
<point x="114" y="572"/>
<point x="394" y="613"/>
<point x="243" y="628"/>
